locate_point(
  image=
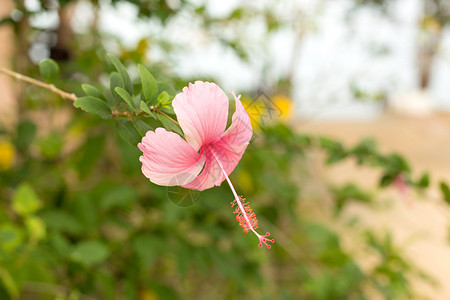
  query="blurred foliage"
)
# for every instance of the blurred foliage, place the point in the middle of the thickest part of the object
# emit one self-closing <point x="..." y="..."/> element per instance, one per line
<point x="86" y="221"/>
<point x="436" y="9"/>
<point x="78" y="219"/>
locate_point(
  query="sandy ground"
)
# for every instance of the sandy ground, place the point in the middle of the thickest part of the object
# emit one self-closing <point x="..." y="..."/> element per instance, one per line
<point x="420" y="223"/>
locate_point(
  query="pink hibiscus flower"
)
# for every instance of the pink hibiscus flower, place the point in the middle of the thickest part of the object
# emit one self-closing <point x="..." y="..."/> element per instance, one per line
<point x="209" y="153"/>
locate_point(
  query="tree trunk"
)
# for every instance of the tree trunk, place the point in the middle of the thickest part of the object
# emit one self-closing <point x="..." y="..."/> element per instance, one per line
<point x="8" y="93"/>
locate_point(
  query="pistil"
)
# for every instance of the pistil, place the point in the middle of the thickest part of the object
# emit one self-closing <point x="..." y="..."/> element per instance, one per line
<point x="244" y="214"/>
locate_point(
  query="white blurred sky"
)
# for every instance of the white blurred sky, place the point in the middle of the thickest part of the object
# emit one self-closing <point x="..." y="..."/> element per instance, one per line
<point x="329" y="59"/>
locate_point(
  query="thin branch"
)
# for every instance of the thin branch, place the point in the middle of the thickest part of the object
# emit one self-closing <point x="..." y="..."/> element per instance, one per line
<point x="50" y="87"/>
<point x="127" y="114"/>
<point x="73" y="97"/>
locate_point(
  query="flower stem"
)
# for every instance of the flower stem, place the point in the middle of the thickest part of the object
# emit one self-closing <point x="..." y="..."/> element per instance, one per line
<point x="50" y="87"/>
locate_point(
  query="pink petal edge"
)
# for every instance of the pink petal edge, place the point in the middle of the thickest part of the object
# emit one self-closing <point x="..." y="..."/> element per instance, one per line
<point x="169" y="160"/>
<point x="229" y="150"/>
<point x="202" y="111"/>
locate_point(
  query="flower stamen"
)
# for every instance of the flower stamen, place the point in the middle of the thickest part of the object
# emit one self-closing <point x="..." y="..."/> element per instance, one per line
<point x="244" y="214"/>
<point x="248" y="214"/>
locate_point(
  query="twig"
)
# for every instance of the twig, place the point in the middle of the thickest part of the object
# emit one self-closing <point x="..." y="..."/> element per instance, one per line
<point x="127" y="114"/>
<point x="50" y="87"/>
<point x="73" y="97"/>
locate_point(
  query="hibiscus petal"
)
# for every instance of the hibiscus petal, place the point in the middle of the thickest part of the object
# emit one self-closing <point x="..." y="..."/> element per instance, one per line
<point x="210" y="176"/>
<point x="202" y="111"/>
<point x="168" y="159"/>
<point x="240" y="131"/>
<point x="228" y="150"/>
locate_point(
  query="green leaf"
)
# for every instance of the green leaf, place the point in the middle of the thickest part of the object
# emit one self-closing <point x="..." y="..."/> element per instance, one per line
<point x="8" y="282"/>
<point x="348" y="193"/>
<point x="26" y="132"/>
<point x="25" y="201"/>
<point x="51" y="145"/>
<point x="114" y="82"/>
<point x="445" y="192"/>
<point x="128" y="132"/>
<point x="146" y="246"/>
<point x="94" y="106"/>
<point x="60" y="244"/>
<point x="125" y="96"/>
<point x="90" y="153"/>
<point x="386" y="180"/>
<point x="163" y="291"/>
<point x="90" y="90"/>
<point x="85" y="209"/>
<point x="11" y="237"/>
<point x="146" y="109"/>
<point x="424" y="181"/>
<point x="170" y="125"/>
<point x="49" y="69"/>
<point x="137" y="102"/>
<point x="36" y="227"/>
<point x="142" y="127"/>
<point x="165" y="86"/>
<point x="149" y="84"/>
<point x="90" y="253"/>
<point x="126" y="81"/>
<point x="163" y="98"/>
<point x="60" y="220"/>
<point x="119" y="197"/>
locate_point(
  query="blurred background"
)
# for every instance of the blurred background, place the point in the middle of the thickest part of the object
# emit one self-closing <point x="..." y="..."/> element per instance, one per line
<point x="347" y="169"/>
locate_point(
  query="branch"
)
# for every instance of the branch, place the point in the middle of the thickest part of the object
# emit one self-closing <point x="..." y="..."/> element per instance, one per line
<point x="50" y="87"/>
<point x="129" y="115"/>
<point x="73" y="97"/>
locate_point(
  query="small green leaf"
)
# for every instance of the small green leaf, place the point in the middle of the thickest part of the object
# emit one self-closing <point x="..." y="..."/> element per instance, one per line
<point x="60" y="244"/>
<point x="11" y="237"/>
<point x="149" y="84"/>
<point x="137" y="102"/>
<point x="90" y="253"/>
<point x="36" y="227"/>
<point x="25" y="201"/>
<point x="60" y="220"/>
<point x="424" y="181"/>
<point x="51" y="145"/>
<point x="146" y="247"/>
<point x="445" y="192"/>
<point x="121" y="197"/>
<point x="49" y="69"/>
<point x="146" y="109"/>
<point x="115" y="81"/>
<point x="128" y="132"/>
<point x="125" y="96"/>
<point x="26" y="132"/>
<point x="89" y="154"/>
<point x="90" y="90"/>
<point x="94" y="106"/>
<point x="170" y="125"/>
<point x="8" y="282"/>
<point x="386" y="180"/>
<point x="163" y="98"/>
<point x="165" y="86"/>
<point x="126" y="81"/>
<point x="142" y="127"/>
